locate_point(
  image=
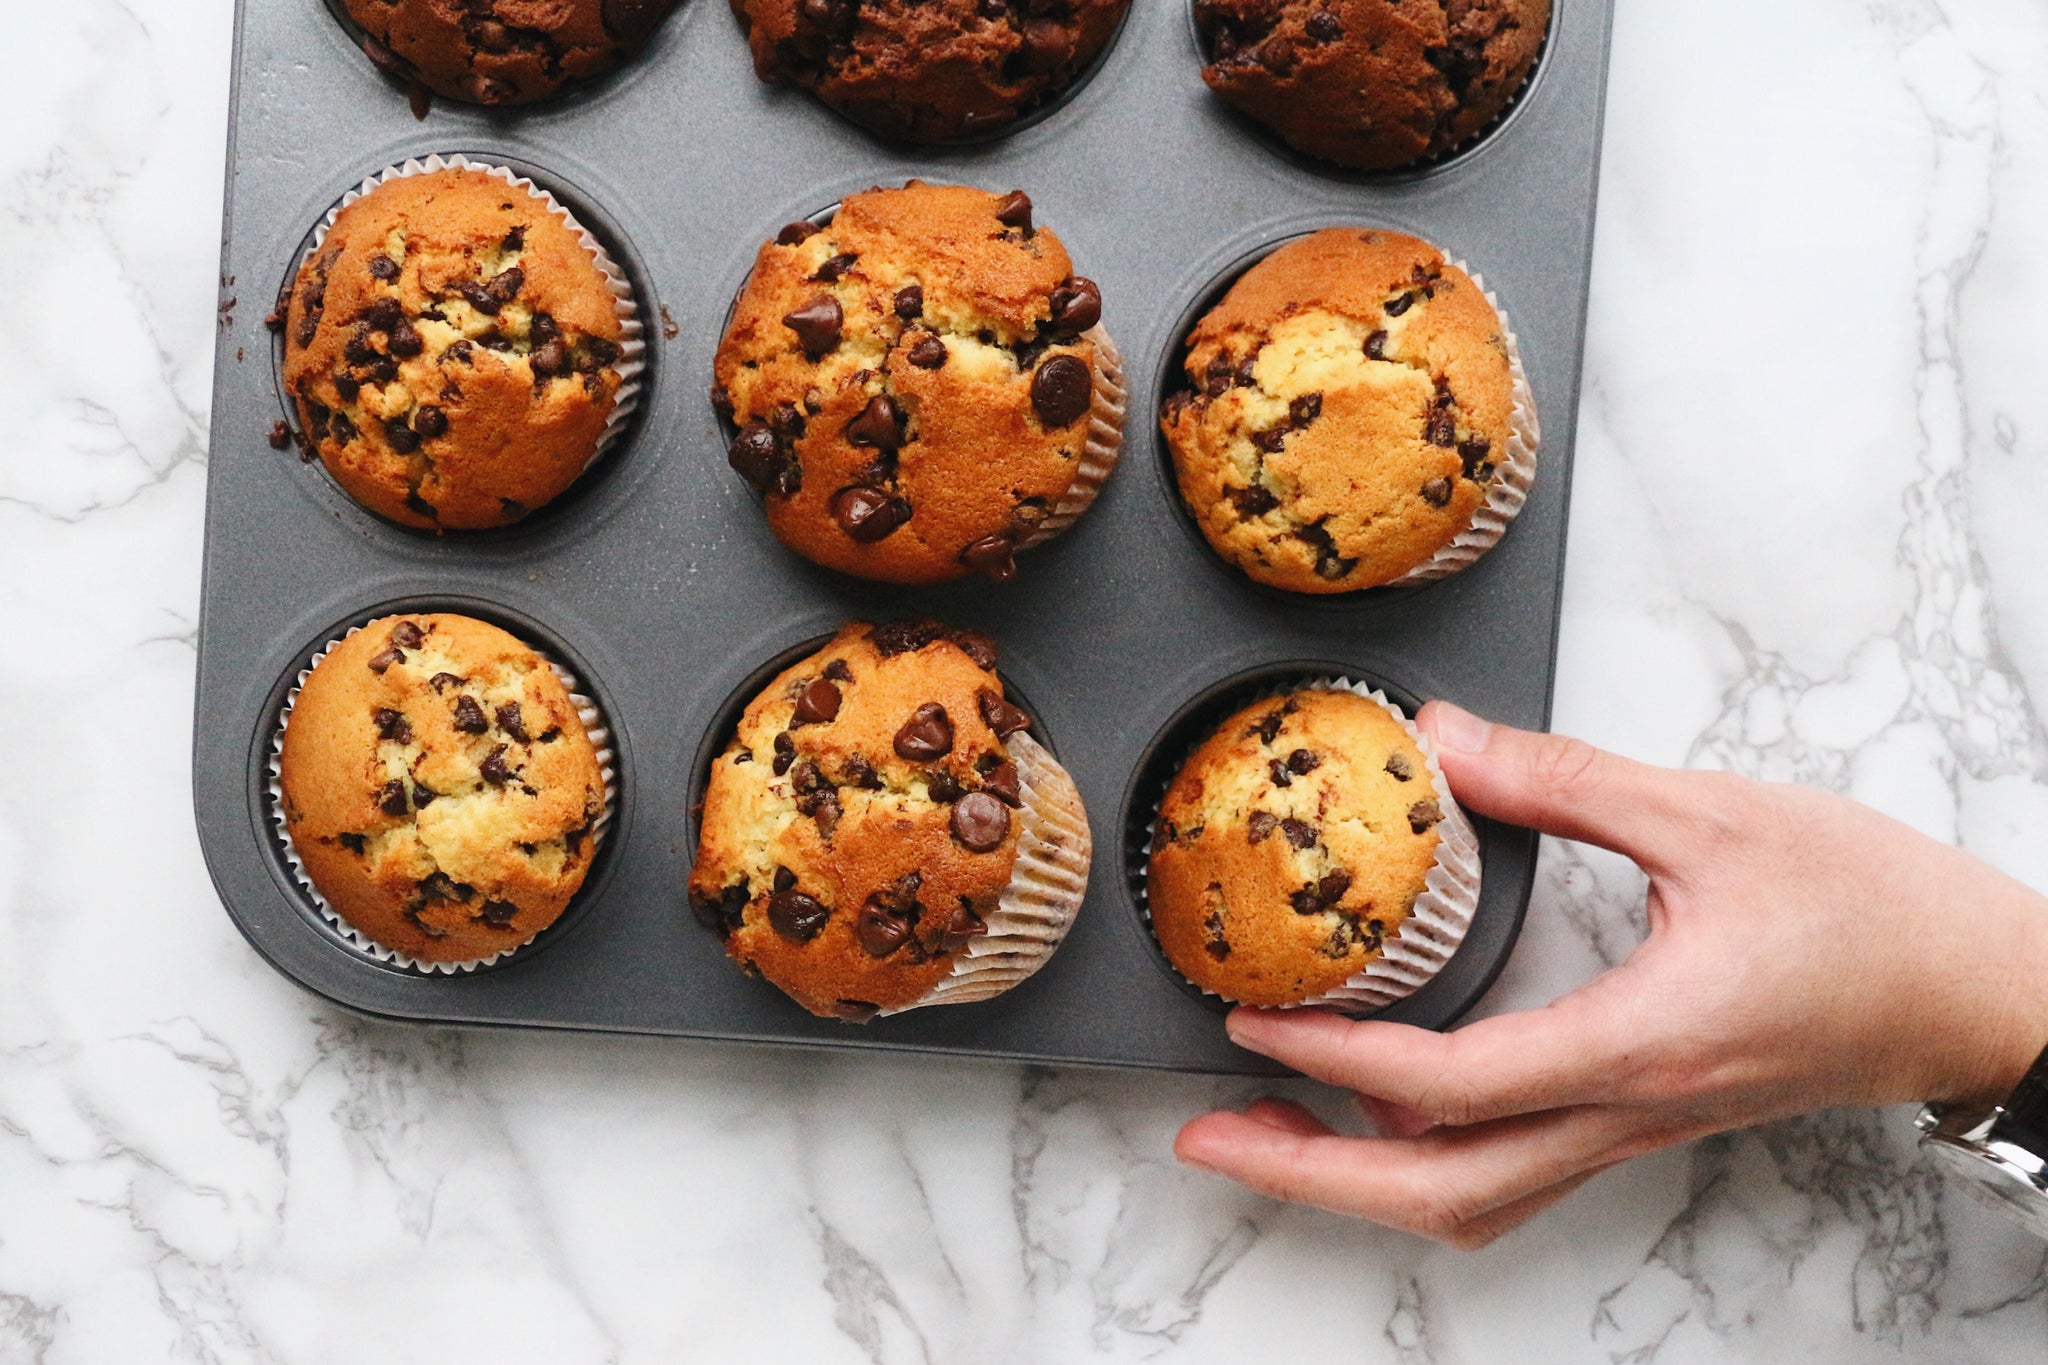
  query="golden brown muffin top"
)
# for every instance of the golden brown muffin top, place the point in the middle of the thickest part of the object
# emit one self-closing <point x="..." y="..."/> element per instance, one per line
<point x="503" y="51"/>
<point x="453" y="348"/>
<point x="928" y="70"/>
<point x="1290" y="845"/>
<point x="440" y="787"/>
<point x="858" y="831"/>
<point x="1351" y="397"/>
<point x="1372" y="84"/>
<point x="912" y="382"/>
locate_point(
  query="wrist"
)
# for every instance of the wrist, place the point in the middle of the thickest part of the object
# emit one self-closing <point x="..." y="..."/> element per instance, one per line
<point x="2001" y="1026"/>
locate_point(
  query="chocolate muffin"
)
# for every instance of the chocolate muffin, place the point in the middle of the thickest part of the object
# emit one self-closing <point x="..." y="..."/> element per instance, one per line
<point x="439" y="787"/>
<point x="502" y="51"/>
<point x="881" y="834"/>
<point x="1292" y="847"/>
<point x="929" y="70"/>
<point x="1353" y="405"/>
<point x="453" y="349"/>
<point x="920" y="386"/>
<point x="1372" y="84"/>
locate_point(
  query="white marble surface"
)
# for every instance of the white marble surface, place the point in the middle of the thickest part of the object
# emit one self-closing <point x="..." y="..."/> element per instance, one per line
<point x="1805" y="544"/>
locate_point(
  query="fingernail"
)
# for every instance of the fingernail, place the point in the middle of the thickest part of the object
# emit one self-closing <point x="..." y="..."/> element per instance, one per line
<point x="1245" y="1027"/>
<point x="1459" y="730"/>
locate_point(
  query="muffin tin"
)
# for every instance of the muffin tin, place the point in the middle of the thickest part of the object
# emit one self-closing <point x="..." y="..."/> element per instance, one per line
<point x="656" y="581"/>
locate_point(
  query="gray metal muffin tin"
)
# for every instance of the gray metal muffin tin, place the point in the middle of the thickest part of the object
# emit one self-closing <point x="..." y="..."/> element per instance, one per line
<point x="657" y="581"/>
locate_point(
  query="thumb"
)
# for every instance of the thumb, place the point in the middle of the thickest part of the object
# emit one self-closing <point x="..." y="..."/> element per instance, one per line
<point x="1562" y="786"/>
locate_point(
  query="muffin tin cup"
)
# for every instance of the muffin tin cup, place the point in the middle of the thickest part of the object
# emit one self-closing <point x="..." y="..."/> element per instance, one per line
<point x="1107" y="411"/>
<point x="632" y="362"/>
<point x="1418" y="948"/>
<point x="1045" y="892"/>
<point x="1509" y="491"/>
<point x="593" y="725"/>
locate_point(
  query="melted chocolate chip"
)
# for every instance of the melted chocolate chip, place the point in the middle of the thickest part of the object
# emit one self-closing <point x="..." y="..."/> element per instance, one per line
<point x="817" y="704"/>
<point x="512" y="722"/>
<point x="795" y="916"/>
<point x="429" y="421"/>
<point x="927" y="735"/>
<point x="755" y="456"/>
<point x="1278" y="772"/>
<point x="1376" y="346"/>
<point x="723" y="912"/>
<point x="998" y="714"/>
<point x="980" y="821"/>
<point x="1399" y="766"/>
<point x="408" y="635"/>
<point x="494" y="769"/>
<point x="927" y="352"/>
<point x="1076" y="305"/>
<point x="1260" y="826"/>
<point x="817" y="325"/>
<point x="1437" y="492"/>
<point x="793" y="234"/>
<point x="391" y="799"/>
<point x="832" y="267"/>
<point x="392" y="725"/>
<point x="868" y="514"/>
<point x="1299" y="833"/>
<point x="1252" y="502"/>
<point x="879" y="424"/>
<point x="383" y="267"/>
<point x="469" y="717"/>
<point x="1399" y="304"/>
<point x="1014" y="210"/>
<point x="441" y="682"/>
<point x="440" y="886"/>
<point x="837" y="671"/>
<point x="910" y="302"/>
<point x="499" y="914"/>
<point x="385" y="660"/>
<point x="1424" y="814"/>
<point x="1305" y="409"/>
<point x="1061" y="391"/>
<point x="1301" y="761"/>
<point x="994" y="556"/>
<point x="1003" y="782"/>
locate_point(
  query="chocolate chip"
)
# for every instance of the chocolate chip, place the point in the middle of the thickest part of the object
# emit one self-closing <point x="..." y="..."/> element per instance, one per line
<point x="1270" y="440"/>
<point x="1441" y="429"/>
<point x="910" y="302"/>
<point x="1252" y="502"/>
<point x="385" y="660"/>
<point x="1302" y="761"/>
<point x="422" y="797"/>
<point x="512" y="722"/>
<point x="462" y="351"/>
<point x="383" y="267"/>
<point x="440" y="886"/>
<point x="868" y="514"/>
<point x="429" y="421"/>
<point x="961" y="928"/>
<point x="499" y="914"/>
<point x="1299" y="833"/>
<point x="858" y="772"/>
<point x="796" y="916"/>
<point x="977" y="647"/>
<point x="405" y="340"/>
<point x="1260" y="826"/>
<point x="1061" y="390"/>
<point x="1278" y="56"/>
<point x="1175" y="406"/>
<point x="794" y="234"/>
<point x="399" y="436"/>
<point x="1213" y="941"/>
<point x="441" y="682"/>
<point x="347" y="387"/>
<point x="392" y="725"/>
<point x="391" y="799"/>
<point x="992" y="555"/>
<point x="854" y="1011"/>
<point x="355" y="843"/>
<point x="382" y="314"/>
<point x="1324" y="27"/>
<point x="785" y="754"/>
<point x="879" y="424"/>
<point x="506" y="284"/>
<point x="1278" y="772"/>
<point x="755" y="456"/>
<point x="1399" y="304"/>
<point x="1376" y="346"/>
<point x="880" y="931"/>
<point x="493" y="769"/>
<point x="838" y="671"/>
<point x="980" y="821"/>
<point x="1400" y="767"/>
<point x="941" y="786"/>
<point x="1076" y="305"/>
<point x="478" y="297"/>
<point x="832" y="267"/>
<point x="784" y="879"/>
<point x="1424" y="814"/>
<point x="280" y="435"/>
<point x="1332" y="887"/>
<point x="817" y="325"/>
<point x="927" y="735"/>
<point x="343" y="429"/>
<point x="549" y="359"/>
<point x="817" y="704"/>
<point x="723" y="912"/>
<point x="1437" y="492"/>
<point x="469" y="717"/>
<point x="1004" y="783"/>
<point x="1014" y="210"/>
<point x="1305" y="409"/>
<point x="927" y="352"/>
<point x="1267" y="727"/>
<point x="999" y="715"/>
<point x="1472" y="452"/>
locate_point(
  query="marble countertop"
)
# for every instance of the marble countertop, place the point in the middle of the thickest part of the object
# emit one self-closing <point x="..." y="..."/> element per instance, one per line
<point x="1805" y="545"/>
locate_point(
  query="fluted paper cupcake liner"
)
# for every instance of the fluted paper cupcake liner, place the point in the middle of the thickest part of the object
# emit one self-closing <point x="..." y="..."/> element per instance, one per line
<point x="1099" y="454"/>
<point x="600" y="741"/>
<point x="632" y="361"/>
<point x="1513" y="477"/>
<point x="1045" y="891"/>
<point x="1417" y="948"/>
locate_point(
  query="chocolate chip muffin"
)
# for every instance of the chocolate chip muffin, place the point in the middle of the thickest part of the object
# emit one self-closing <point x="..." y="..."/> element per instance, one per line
<point x="439" y="787"/>
<point x="1372" y="84"/>
<point x="920" y="387"/>
<point x="881" y="833"/>
<point x="1293" y="845"/>
<point x="502" y="51"/>
<point x="1353" y="404"/>
<point x="453" y="349"/>
<point x="929" y="70"/>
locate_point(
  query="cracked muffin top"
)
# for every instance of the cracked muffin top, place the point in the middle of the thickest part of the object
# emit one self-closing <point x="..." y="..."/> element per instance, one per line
<point x="440" y="787"/>
<point x="503" y="51"/>
<point x="452" y="349"/>
<point x="1292" y="843"/>
<point x="857" y="832"/>
<point x="1351" y="397"/>
<point x="1371" y="84"/>
<point x="913" y="382"/>
<point x="928" y="70"/>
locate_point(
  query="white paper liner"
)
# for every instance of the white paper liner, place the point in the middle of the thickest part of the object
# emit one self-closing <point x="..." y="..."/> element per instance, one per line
<point x="632" y="360"/>
<point x="1104" y="445"/>
<point x="600" y="741"/>
<point x="1515" y="471"/>
<point x="1418" y="947"/>
<point x="1045" y="891"/>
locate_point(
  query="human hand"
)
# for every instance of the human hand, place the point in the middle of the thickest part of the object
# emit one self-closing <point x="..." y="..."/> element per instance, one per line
<point x="1804" y="952"/>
